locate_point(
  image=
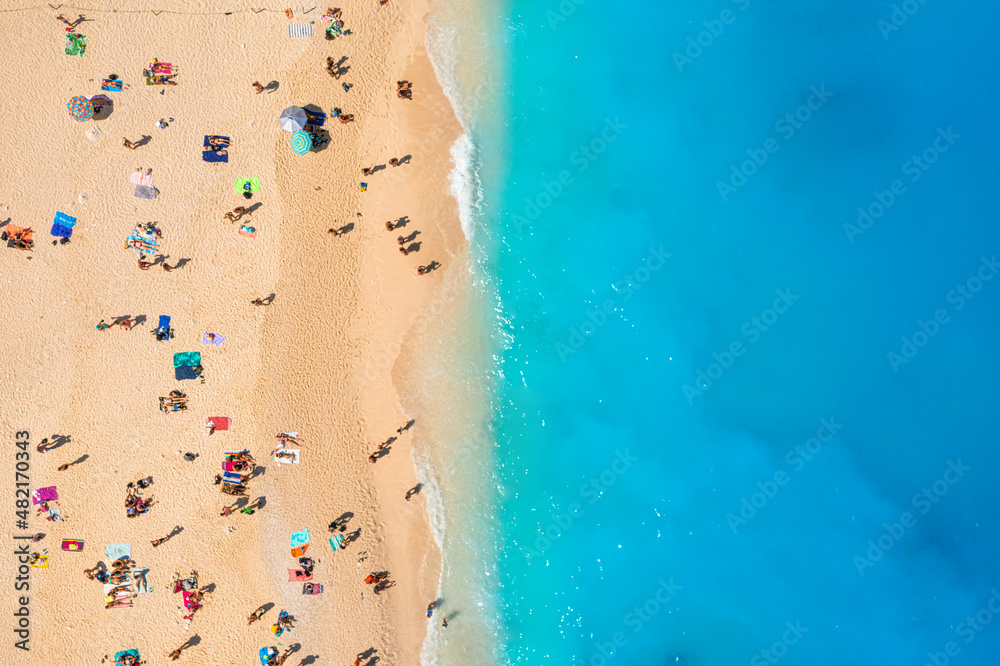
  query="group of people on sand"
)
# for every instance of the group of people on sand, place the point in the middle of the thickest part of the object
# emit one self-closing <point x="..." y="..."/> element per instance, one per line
<point x="135" y="505"/>
<point x="421" y="270"/>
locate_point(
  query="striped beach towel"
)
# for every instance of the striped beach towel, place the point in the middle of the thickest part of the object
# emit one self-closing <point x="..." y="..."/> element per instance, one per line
<point x="139" y="178"/>
<point x="300" y="30"/>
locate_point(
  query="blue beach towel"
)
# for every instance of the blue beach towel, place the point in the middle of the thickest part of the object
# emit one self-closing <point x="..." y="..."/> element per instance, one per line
<point x="116" y="551"/>
<point x="164" y="321"/>
<point x="300" y="538"/>
<point x="65" y="220"/>
<point x="61" y="231"/>
<point x="210" y="155"/>
<point x="111" y="85"/>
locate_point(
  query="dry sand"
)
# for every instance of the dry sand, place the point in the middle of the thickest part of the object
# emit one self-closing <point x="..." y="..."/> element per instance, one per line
<point x="319" y="360"/>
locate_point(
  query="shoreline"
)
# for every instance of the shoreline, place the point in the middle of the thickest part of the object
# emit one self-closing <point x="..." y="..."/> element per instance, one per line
<point x="321" y="359"/>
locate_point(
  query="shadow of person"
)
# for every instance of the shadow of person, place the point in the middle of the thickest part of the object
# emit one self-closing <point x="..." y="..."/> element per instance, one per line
<point x="402" y="222"/>
<point x="414" y="247"/>
<point x="271" y="87"/>
<point x="174" y="532"/>
<point x="269" y="299"/>
<point x="143" y="141"/>
<point x="406" y="159"/>
<point x="347" y="227"/>
<point x="410" y="239"/>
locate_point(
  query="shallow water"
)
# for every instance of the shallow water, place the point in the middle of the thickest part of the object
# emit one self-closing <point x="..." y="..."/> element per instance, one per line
<point x="704" y="439"/>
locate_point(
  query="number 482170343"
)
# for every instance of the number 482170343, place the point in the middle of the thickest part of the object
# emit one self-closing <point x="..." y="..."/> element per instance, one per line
<point x="21" y="480"/>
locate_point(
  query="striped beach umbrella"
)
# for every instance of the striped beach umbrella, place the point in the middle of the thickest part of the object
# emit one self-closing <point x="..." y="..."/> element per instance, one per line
<point x="80" y="108"/>
<point x="302" y="143"/>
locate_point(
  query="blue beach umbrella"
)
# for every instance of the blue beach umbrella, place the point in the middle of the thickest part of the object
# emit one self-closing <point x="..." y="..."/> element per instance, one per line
<point x="302" y="143"/>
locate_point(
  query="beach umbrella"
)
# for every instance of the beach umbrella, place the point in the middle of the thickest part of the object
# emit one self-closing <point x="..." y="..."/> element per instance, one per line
<point x="302" y="143"/>
<point x="292" y="119"/>
<point x="80" y="108"/>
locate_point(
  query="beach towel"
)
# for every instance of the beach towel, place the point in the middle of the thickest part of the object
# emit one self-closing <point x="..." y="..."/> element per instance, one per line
<point x="142" y="243"/>
<point x="55" y="515"/>
<point x="289" y="435"/>
<point x="188" y="603"/>
<point x="124" y="653"/>
<point x="60" y="231"/>
<point x="210" y="155"/>
<point x="185" y="372"/>
<point x="300" y="30"/>
<point x="46" y="494"/>
<point x="298" y="576"/>
<point x="65" y="220"/>
<point x="220" y="422"/>
<point x="364" y="187"/>
<point x="216" y="339"/>
<point x="187" y="358"/>
<point x="312" y="588"/>
<point x="300" y="551"/>
<point x="145" y="192"/>
<point x="41" y="563"/>
<point x="164" y="322"/>
<point x="76" y="44"/>
<point x="266" y="653"/>
<point x="151" y="81"/>
<point x="74" y="545"/>
<point x="232" y="477"/>
<point x="293" y="460"/>
<point x="116" y="551"/>
<point x="243" y="183"/>
<point x="300" y="538"/>
<point x="248" y="231"/>
<point x="337" y="542"/>
<point x="110" y="85"/>
<point x="141" y="582"/>
<point x="315" y="118"/>
<point x="161" y="68"/>
<point x="139" y="178"/>
<point x="213" y="157"/>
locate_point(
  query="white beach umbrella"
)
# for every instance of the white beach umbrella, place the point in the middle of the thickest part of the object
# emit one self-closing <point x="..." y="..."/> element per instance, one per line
<point x="292" y="119"/>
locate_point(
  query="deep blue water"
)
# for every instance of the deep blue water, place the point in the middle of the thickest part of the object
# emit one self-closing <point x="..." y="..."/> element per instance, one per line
<point x="621" y="491"/>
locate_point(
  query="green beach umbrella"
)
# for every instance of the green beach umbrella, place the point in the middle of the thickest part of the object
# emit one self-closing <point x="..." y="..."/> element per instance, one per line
<point x="302" y="143"/>
<point x="80" y="108"/>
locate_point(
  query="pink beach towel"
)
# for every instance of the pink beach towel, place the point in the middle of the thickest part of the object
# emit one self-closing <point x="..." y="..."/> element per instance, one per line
<point x="46" y="494"/>
<point x="137" y="178"/>
<point x="298" y="576"/>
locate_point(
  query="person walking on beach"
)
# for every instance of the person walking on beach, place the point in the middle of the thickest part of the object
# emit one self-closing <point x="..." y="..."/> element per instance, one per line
<point x="400" y="240"/>
<point x="366" y="171"/>
<point x="167" y="268"/>
<point x="389" y="226"/>
<point x="444" y="622"/>
<point x="44" y="444"/>
<point x="402" y="250"/>
<point x="259" y="301"/>
<point x="394" y="162"/>
<point x="333" y="231"/>
<point x="372" y="458"/>
<point x="257" y="87"/>
<point x="430" y="609"/>
<point x="128" y="144"/>
<point x="144" y="265"/>
<point x="412" y="491"/>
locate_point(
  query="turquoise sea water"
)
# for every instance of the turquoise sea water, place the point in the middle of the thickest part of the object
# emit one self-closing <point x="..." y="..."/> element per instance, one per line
<point x="733" y="419"/>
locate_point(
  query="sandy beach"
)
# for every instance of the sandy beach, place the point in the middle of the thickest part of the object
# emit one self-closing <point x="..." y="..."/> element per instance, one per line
<point x="318" y="360"/>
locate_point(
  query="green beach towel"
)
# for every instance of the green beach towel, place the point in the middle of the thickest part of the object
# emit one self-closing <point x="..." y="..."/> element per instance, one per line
<point x="241" y="184"/>
<point x="76" y="44"/>
<point x="187" y="358"/>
